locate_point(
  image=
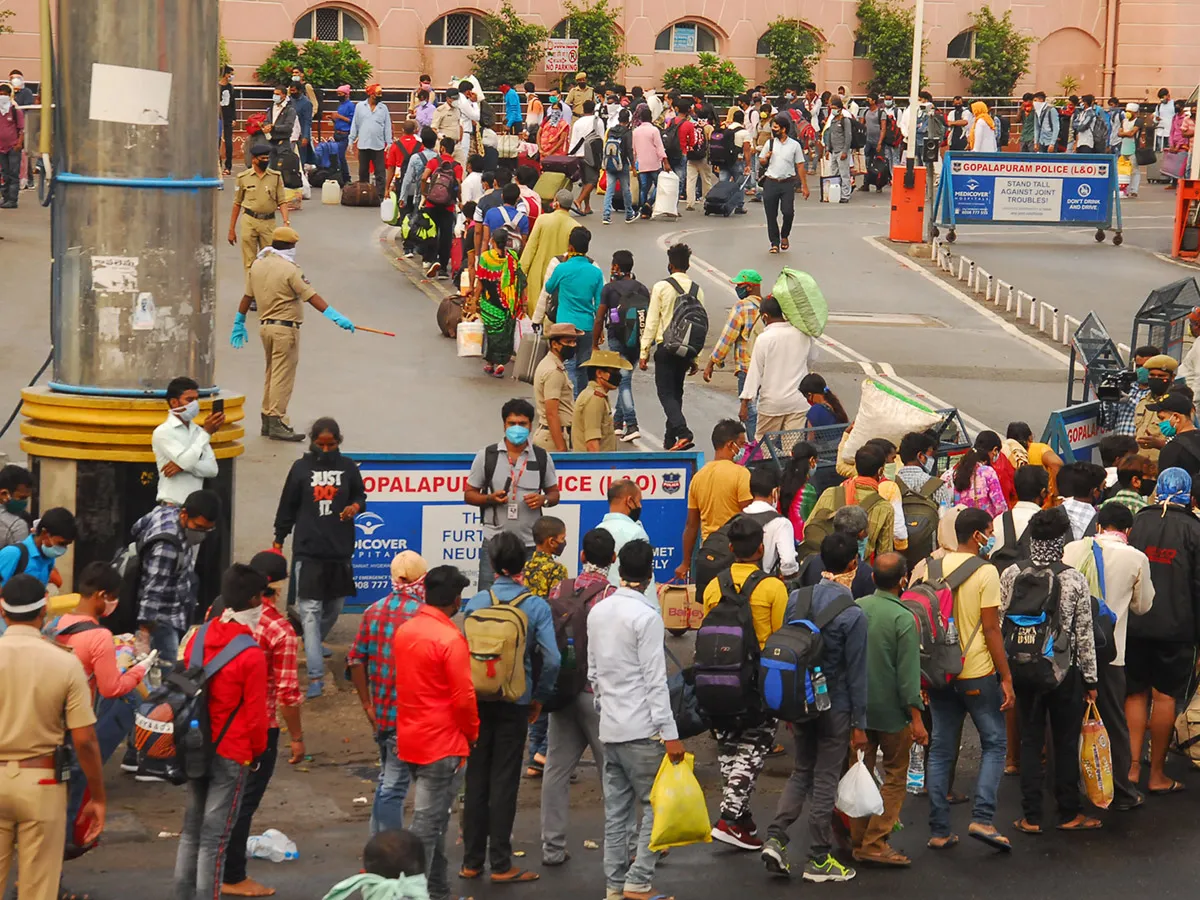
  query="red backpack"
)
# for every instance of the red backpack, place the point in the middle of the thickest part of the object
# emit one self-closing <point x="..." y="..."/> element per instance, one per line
<point x="443" y="185"/>
<point x="932" y="604"/>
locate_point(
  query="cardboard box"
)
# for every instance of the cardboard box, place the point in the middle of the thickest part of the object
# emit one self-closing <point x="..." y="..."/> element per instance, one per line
<point x="681" y="611"/>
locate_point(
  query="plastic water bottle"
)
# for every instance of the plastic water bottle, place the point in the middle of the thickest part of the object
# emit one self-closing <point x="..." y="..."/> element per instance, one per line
<point x="568" y="660"/>
<point x="821" y="689"/>
<point x="194" y="763"/>
<point x="951" y="631"/>
<point x="916" y="769"/>
<point x="273" y="845"/>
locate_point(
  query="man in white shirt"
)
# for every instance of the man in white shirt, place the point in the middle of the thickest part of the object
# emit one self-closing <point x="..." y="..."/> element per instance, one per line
<point x="783" y="159"/>
<point x="627" y="670"/>
<point x="585" y="131"/>
<point x="781" y="358"/>
<point x="623" y="520"/>
<point x="1031" y="484"/>
<point x="181" y="447"/>
<point x="468" y="115"/>
<point x="1164" y="113"/>
<point x="1122" y="581"/>
<point x="779" y="537"/>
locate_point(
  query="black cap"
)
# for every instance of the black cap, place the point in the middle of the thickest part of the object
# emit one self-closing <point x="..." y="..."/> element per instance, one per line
<point x="260" y="149"/>
<point x="1175" y="402"/>
<point x="271" y="564"/>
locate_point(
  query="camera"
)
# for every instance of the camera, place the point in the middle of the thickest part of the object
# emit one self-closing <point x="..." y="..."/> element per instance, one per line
<point x="1114" y="385"/>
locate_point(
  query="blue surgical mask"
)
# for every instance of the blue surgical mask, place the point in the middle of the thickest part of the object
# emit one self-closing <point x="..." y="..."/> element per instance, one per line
<point x="188" y="411"/>
<point x="1143" y="374"/>
<point x="53" y="551"/>
<point x="862" y="548"/>
<point x="1167" y="428"/>
<point x="516" y="434"/>
<point x="742" y="291"/>
<point x="988" y="546"/>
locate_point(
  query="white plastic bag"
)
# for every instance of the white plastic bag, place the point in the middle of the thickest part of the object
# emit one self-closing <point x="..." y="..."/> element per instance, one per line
<point x="858" y="795"/>
<point x="666" y="197"/>
<point x="470" y="338"/>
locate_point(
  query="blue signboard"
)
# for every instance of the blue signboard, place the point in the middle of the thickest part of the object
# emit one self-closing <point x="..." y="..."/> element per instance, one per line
<point x="1074" y="433"/>
<point x="1029" y="188"/>
<point x="415" y="502"/>
<point x="683" y="38"/>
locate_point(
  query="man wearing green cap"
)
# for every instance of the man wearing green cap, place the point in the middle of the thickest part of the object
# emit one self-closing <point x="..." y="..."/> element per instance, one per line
<point x="592" y="425"/>
<point x="742" y="328"/>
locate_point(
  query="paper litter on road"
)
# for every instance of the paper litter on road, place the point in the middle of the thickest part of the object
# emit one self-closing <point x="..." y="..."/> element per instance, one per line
<point x="168" y="834"/>
<point x="590" y="845"/>
<point x="361" y="800"/>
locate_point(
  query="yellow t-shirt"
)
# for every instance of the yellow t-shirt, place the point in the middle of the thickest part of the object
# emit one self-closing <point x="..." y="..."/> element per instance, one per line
<point x="768" y="603"/>
<point x="719" y="490"/>
<point x="1036" y="450"/>
<point x="980" y="591"/>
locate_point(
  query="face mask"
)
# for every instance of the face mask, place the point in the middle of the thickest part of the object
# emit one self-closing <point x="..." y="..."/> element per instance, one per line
<point x="324" y="457"/>
<point x="5" y="105"/>
<point x="889" y="103"/>
<point x="188" y="411"/>
<point x="295" y="78"/>
<point x="929" y="466"/>
<point x="1158" y="385"/>
<point x="1147" y="488"/>
<point x="1143" y="374"/>
<point x="110" y="607"/>
<point x="742" y="291"/>
<point x="516" y="434"/>
<point x="195" y="536"/>
<point x="1039" y="105"/>
<point x="862" y="548"/>
<point x="278" y="99"/>
<point x="1167" y="428"/>
<point x="16" y="506"/>
<point x="986" y="548"/>
<point x="261" y="164"/>
<point x="553" y="98"/>
<point x="567" y="352"/>
<point x="54" y="551"/>
<point x="1129" y="116"/>
<point x="636" y="513"/>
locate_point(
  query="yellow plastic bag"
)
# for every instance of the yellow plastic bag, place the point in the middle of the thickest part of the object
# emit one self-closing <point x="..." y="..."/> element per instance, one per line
<point x="680" y="814"/>
<point x="1095" y="759"/>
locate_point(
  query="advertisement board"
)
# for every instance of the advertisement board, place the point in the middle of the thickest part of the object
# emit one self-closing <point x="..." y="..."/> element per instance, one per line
<point x="415" y="502"/>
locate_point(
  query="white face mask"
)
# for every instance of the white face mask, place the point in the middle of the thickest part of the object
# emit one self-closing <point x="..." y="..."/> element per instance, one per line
<point x="110" y="607"/>
<point x="188" y="411"/>
<point x="5" y="105"/>
<point x="1039" y="105"/>
<point x="18" y="83"/>
<point x="278" y="99"/>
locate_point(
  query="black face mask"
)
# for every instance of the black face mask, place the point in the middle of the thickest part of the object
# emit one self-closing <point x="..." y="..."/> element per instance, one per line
<point x="567" y="352"/>
<point x="324" y="457"/>
<point x="1147" y="488"/>
<point x="1158" y="385"/>
<point x="636" y="513"/>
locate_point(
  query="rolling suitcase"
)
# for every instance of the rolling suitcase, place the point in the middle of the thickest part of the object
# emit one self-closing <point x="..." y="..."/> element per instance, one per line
<point x="722" y="199"/>
<point x="878" y="174"/>
<point x="571" y="166"/>
<point x="549" y="184"/>
<point x="531" y="352"/>
<point x="360" y="193"/>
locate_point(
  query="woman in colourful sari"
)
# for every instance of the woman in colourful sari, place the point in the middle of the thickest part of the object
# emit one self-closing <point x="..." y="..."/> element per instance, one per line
<point x="500" y="299"/>
<point x="554" y="133"/>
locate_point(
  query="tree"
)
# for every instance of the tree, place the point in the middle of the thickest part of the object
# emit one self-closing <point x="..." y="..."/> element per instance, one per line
<point x="715" y="76"/>
<point x="601" y="45"/>
<point x="325" y="65"/>
<point x="886" y="30"/>
<point x="792" y="49"/>
<point x="5" y="28"/>
<point x="222" y="54"/>
<point x="1001" y="55"/>
<point x="513" y="48"/>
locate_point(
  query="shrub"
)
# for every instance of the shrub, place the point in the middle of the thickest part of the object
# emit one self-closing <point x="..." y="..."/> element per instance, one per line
<point x="713" y="75"/>
<point x="325" y="65"/>
<point x="601" y="45"/>
<point x="886" y="29"/>
<point x="792" y="49"/>
<point x="513" y="48"/>
<point x="1001" y="55"/>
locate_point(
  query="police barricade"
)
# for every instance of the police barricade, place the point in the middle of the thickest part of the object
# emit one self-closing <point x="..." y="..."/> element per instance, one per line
<point x="1074" y="433"/>
<point x="415" y="502"/>
<point x="1073" y="189"/>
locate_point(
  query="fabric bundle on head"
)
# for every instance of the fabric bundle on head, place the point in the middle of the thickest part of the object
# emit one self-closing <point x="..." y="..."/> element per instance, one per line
<point x="407" y="566"/>
<point x="344" y="89"/>
<point x="376" y="887"/>
<point x="1174" y="485"/>
<point x="374" y="88"/>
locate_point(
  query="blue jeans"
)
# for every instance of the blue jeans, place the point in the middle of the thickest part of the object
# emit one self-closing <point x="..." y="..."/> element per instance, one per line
<point x="624" y="412"/>
<point x="342" y="138"/>
<point x="114" y="722"/>
<point x="736" y="173"/>
<point x="317" y="618"/>
<point x="980" y="698"/>
<point x="434" y="786"/>
<point x="752" y="419"/>
<point x="387" y="813"/>
<point x="618" y="180"/>
<point x="212" y="808"/>
<point x="165" y="639"/>
<point x="537" y="736"/>
<point x="629" y="771"/>
<point x="576" y="366"/>
<point x="647" y="185"/>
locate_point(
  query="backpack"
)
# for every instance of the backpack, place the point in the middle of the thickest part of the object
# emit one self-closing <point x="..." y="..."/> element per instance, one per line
<point x="670" y="140"/>
<point x="726" y="660"/>
<point x="418" y="227"/>
<point x="128" y="562"/>
<point x="787" y="662"/>
<point x="405" y="156"/>
<point x="443" y="186"/>
<point x="492" y="454"/>
<point x="1034" y="641"/>
<point x="806" y="135"/>
<point x="496" y="640"/>
<point x="921" y="516"/>
<point x="699" y="149"/>
<point x="1104" y="620"/>
<point x="820" y="523"/>
<point x="858" y="134"/>
<point x="889" y="130"/>
<point x="1099" y="131"/>
<point x="22" y="558"/>
<point x="1013" y="549"/>
<point x="716" y="555"/>
<point x="487" y="116"/>
<point x="687" y="332"/>
<point x="515" y="239"/>
<point x="721" y="151"/>
<point x="627" y="320"/>
<point x="570" y="609"/>
<point x="932" y="604"/>
<point x="168" y="746"/>
<point x="1002" y="127"/>
<point x="614" y="154"/>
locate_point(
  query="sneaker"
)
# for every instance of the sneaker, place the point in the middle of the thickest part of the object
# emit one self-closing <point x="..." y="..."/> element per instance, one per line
<point x="740" y="211"/>
<point x="409" y="254"/>
<point x="620" y="431"/>
<point x="315" y="689"/>
<point x="432" y="269"/>
<point x="326" y="653"/>
<point x="605" y="222"/>
<point x="129" y="762"/>
<point x="735" y="836"/>
<point x="149" y="779"/>
<point x="630" y="220"/>
<point x="631" y="436"/>
<point x="774" y="857"/>
<point x="826" y="869"/>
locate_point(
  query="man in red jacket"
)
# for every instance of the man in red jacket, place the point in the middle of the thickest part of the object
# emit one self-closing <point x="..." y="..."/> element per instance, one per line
<point x="237" y="710"/>
<point x="436" y="717"/>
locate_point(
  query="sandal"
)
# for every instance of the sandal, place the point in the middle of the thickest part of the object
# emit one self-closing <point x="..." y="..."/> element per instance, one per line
<point x="950" y="840"/>
<point x="535" y="771"/>
<point x="1026" y="827"/>
<point x="890" y="857"/>
<point x="65" y="894"/>
<point x="777" y="750"/>
<point x="1175" y="788"/>
<point x="1081" y="823"/>
<point x="514" y="876"/>
<point x="784" y="245"/>
<point x="993" y="838"/>
<point x="954" y="798"/>
<point x="1010" y="769"/>
<point x="774" y="248"/>
<point x="469" y="874"/>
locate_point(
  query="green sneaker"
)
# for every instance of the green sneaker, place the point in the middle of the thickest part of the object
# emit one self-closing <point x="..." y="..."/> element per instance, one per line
<point x="827" y="869"/>
<point x="774" y="857"/>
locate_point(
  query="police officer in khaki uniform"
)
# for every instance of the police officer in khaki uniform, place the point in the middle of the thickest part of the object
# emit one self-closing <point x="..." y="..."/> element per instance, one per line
<point x="592" y="426"/>
<point x="259" y="194"/>
<point x="280" y="289"/>
<point x="38" y="710"/>
<point x="553" y="391"/>
<point x="580" y="94"/>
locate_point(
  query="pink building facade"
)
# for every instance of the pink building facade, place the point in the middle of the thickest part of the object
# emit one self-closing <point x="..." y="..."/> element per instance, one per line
<point x="1127" y="47"/>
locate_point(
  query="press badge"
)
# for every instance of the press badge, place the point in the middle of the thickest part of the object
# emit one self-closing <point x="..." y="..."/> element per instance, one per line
<point x="512" y="511"/>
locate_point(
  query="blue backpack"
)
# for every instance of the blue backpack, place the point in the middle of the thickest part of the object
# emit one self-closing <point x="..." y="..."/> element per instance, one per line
<point x="785" y="666"/>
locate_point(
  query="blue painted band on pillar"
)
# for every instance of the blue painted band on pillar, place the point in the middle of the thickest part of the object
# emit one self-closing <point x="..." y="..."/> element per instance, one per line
<point x="166" y="184"/>
<point x="147" y="394"/>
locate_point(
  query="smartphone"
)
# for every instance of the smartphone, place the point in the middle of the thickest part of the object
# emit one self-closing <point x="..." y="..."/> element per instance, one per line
<point x="219" y="405"/>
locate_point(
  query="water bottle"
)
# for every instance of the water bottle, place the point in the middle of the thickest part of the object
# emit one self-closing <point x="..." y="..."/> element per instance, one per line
<point x="916" y="769"/>
<point x="821" y="689"/>
<point x="568" y="660"/>
<point x="273" y="845"/>
<point x="195" y="765"/>
<point x="951" y="631"/>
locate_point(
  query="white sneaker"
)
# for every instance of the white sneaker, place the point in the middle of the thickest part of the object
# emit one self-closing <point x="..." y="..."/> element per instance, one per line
<point x="630" y="436"/>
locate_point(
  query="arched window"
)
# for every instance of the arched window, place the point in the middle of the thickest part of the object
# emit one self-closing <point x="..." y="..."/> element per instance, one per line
<point x="562" y="29"/>
<point x="329" y="24"/>
<point x="686" y="37"/>
<point x="762" y="48"/>
<point x="962" y="45"/>
<point x="459" y="29"/>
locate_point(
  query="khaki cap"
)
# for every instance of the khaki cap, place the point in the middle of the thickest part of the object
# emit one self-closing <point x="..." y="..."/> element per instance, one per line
<point x="286" y="234"/>
<point x="607" y="359"/>
<point x="1164" y="362"/>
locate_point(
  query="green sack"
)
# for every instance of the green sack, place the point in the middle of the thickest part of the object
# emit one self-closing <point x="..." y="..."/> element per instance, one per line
<point x="802" y="302"/>
<point x="418" y="228"/>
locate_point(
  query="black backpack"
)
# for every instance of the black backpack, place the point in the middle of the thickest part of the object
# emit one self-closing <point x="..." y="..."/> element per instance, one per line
<point x="687" y="332"/>
<point x="787" y="660"/>
<point x="487" y="116"/>
<point x="670" y="139"/>
<point x="699" y="151"/>
<point x="168" y="746"/>
<point x="492" y="455"/>
<point x="921" y="516"/>
<point x="726" y="661"/>
<point x="721" y="151"/>
<point x="128" y="562"/>
<point x="1013" y="549"/>
<point x="1034" y="641"/>
<point x="858" y="134"/>
<point x="627" y="320"/>
<point x="716" y="555"/>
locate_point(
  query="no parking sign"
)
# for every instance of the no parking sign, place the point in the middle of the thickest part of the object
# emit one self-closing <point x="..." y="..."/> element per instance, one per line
<point x="562" y="55"/>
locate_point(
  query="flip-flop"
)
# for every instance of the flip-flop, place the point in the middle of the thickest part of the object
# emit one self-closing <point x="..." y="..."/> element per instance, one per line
<point x="774" y="249"/>
<point x="893" y="859"/>
<point x="65" y="894"/>
<point x="1175" y="788"/>
<point x="949" y="841"/>
<point x="777" y="750"/>
<point x="1027" y="828"/>
<point x="515" y="876"/>
<point x="534" y="771"/>
<point x="651" y="897"/>
<point x="954" y="798"/>
<point x="469" y="874"/>
<point x="1012" y="770"/>
<point x="994" y="839"/>
<point x="1086" y="825"/>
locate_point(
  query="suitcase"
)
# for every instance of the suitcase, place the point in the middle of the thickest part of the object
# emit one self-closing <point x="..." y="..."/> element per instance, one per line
<point x="549" y="184"/>
<point x="634" y="194"/>
<point x="878" y="174"/>
<point x="449" y="314"/>
<point x="571" y="166"/>
<point x="360" y="193"/>
<point x="722" y="199"/>
<point x="531" y="352"/>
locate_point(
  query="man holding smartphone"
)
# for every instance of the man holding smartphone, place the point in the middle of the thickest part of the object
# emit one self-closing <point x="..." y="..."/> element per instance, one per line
<point x="182" y="449"/>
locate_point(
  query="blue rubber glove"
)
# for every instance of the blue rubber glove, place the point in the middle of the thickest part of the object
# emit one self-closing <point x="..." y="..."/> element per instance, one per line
<point x="338" y="319"/>
<point x="239" y="337"/>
